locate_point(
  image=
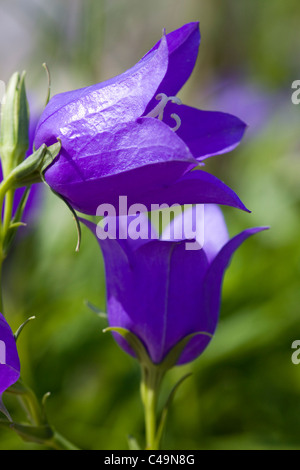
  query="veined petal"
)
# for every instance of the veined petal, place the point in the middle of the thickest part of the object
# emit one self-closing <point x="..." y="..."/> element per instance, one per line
<point x="130" y="160"/>
<point x="133" y="297"/>
<point x="206" y="133"/>
<point x="195" y="187"/>
<point x="87" y="156"/>
<point x="149" y="185"/>
<point x="187" y="270"/>
<point x="183" y="46"/>
<point x="122" y="98"/>
<point x="208" y="308"/>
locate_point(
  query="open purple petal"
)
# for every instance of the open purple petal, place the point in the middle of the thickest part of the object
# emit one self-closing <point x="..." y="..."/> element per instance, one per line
<point x="120" y="148"/>
<point x="209" y="307"/>
<point x="183" y="46"/>
<point x="162" y="292"/>
<point x="101" y="106"/>
<point x="9" y="359"/>
<point x="149" y="290"/>
<point x="210" y="232"/>
<point x="206" y="133"/>
<point x="195" y="187"/>
<point x="149" y="185"/>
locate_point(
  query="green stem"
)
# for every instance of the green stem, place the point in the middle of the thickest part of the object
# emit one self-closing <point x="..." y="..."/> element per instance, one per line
<point x="1" y="263"/>
<point x="8" y="209"/>
<point x="151" y="380"/>
<point x="58" y="442"/>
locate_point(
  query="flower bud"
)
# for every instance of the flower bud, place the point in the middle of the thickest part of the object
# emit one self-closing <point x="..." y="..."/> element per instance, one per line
<point x="14" y="140"/>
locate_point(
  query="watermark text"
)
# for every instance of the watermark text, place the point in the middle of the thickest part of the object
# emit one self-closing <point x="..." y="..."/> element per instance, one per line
<point x="167" y="223"/>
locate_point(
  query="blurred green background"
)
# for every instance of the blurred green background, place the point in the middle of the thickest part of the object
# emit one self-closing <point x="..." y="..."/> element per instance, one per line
<point x="244" y="392"/>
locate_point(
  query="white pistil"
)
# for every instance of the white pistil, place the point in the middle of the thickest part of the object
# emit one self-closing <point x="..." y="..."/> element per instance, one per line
<point x="158" y="111"/>
<point x="178" y="122"/>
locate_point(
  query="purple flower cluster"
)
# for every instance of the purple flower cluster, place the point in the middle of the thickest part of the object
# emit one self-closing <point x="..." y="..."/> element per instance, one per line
<point x="132" y="136"/>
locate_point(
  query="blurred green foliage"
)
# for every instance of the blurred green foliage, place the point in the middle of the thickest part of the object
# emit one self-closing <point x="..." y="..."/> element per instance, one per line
<point x="244" y="392"/>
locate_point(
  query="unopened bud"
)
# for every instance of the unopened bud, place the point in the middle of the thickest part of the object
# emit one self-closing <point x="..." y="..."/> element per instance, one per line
<point x="14" y="140"/>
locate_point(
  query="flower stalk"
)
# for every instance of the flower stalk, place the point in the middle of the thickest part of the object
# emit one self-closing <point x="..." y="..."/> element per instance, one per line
<point x="152" y="377"/>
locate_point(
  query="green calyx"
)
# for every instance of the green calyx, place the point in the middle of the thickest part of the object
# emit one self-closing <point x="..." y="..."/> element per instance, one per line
<point x="31" y="170"/>
<point x="142" y="355"/>
<point x="14" y="139"/>
<point x="152" y="376"/>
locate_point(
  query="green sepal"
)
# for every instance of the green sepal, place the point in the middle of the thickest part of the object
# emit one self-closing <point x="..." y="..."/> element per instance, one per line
<point x="142" y="355"/>
<point x="75" y="217"/>
<point x="174" y="354"/>
<point x="32" y="169"/>
<point x="165" y="409"/>
<point x="134" y="342"/>
<point x="14" y="134"/>
<point x="18" y="388"/>
<point x="37" y="434"/>
<point x="95" y="309"/>
<point x="4" y="410"/>
<point x="17" y="333"/>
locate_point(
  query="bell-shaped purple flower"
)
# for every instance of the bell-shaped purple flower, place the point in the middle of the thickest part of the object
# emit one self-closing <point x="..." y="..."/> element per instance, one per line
<point x="9" y="359"/>
<point x="163" y="292"/>
<point x="131" y="136"/>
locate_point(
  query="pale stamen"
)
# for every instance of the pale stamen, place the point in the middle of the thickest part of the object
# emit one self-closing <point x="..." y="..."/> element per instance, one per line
<point x="178" y="122"/>
<point x="158" y="111"/>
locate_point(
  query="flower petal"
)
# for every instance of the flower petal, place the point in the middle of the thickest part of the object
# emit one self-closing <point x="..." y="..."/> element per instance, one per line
<point x="126" y="146"/>
<point x="131" y="159"/>
<point x="9" y="359"/>
<point x="195" y="187"/>
<point x="215" y="231"/>
<point x="208" y="309"/>
<point x="163" y="180"/>
<point x="206" y="133"/>
<point x="183" y="46"/>
<point x="101" y="106"/>
<point x="207" y="226"/>
<point x="149" y="292"/>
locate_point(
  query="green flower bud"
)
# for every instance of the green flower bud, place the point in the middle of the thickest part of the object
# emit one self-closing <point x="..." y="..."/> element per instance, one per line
<point x="14" y="140"/>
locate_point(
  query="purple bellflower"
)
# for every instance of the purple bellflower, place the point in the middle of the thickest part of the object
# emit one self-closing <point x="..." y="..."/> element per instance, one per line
<point x="9" y="359"/>
<point x="162" y="292"/>
<point x="131" y="136"/>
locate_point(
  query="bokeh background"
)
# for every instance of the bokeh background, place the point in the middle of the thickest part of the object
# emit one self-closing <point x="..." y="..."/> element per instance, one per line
<point x="244" y="392"/>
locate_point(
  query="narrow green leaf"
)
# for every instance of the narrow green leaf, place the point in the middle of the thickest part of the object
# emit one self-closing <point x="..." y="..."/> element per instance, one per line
<point x="134" y="342"/>
<point x="17" y="333"/>
<point x="165" y="410"/>
<point x="95" y="309"/>
<point x="174" y="354"/>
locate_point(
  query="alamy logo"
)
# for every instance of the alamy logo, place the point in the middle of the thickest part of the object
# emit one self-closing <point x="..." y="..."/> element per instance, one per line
<point x="296" y="94"/>
<point x="172" y="221"/>
<point x="295" y="356"/>
<point x="2" y="91"/>
<point x="2" y="352"/>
